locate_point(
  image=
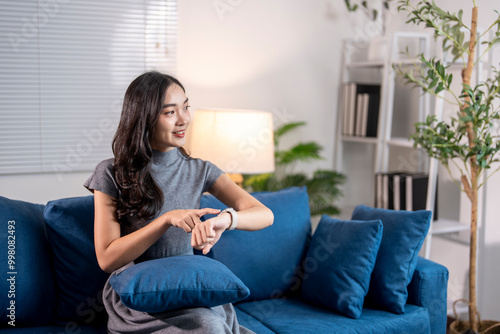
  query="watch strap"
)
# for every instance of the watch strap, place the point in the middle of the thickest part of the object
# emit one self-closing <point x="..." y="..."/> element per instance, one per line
<point x="234" y="218"/>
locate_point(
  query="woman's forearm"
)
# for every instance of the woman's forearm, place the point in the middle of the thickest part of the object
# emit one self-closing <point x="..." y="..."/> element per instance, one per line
<point x="126" y="249"/>
<point x="252" y="219"/>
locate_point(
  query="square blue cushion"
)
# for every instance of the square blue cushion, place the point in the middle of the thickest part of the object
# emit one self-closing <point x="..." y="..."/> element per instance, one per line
<point x="177" y="282"/>
<point x="267" y="260"/>
<point x="339" y="263"/>
<point x="79" y="279"/>
<point x="403" y="236"/>
<point x="33" y="288"/>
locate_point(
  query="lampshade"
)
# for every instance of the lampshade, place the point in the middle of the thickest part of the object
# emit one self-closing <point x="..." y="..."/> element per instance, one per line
<point x="237" y="141"/>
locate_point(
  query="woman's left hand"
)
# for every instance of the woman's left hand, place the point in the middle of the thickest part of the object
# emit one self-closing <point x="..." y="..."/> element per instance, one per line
<point x="206" y="234"/>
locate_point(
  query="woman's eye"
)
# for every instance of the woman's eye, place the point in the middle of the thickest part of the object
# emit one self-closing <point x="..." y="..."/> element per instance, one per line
<point x="168" y="112"/>
<point x="187" y="107"/>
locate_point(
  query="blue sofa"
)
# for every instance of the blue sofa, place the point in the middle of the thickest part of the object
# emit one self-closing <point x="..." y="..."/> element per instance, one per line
<point x="53" y="284"/>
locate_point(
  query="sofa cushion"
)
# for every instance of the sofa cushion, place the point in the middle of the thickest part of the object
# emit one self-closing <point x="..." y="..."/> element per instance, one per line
<point x="403" y="236"/>
<point x="177" y="282"/>
<point x="290" y="316"/>
<point x="247" y="321"/>
<point x="267" y="260"/>
<point x="339" y="263"/>
<point x="79" y="280"/>
<point x="27" y="280"/>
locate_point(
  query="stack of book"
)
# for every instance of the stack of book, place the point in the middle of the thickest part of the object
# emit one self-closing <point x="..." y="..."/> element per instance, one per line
<point x="402" y="191"/>
<point x="360" y="108"/>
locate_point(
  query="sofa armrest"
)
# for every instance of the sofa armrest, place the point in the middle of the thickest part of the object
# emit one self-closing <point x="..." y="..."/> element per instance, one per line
<point x="428" y="289"/>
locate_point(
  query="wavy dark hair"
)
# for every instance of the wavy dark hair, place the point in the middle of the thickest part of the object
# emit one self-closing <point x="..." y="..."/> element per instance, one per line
<point x="140" y="196"/>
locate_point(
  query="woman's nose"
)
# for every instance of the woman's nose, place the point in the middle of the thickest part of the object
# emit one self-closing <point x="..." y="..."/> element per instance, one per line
<point x="183" y="118"/>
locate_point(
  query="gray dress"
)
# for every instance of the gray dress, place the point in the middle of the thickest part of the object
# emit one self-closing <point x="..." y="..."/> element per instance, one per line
<point x="182" y="180"/>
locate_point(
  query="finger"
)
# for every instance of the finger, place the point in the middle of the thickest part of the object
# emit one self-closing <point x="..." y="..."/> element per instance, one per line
<point x="200" y="239"/>
<point x="207" y="249"/>
<point x="190" y="220"/>
<point x="194" y="241"/>
<point x="207" y="211"/>
<point x="209" y="231"/>
<point x="185" y="227"/>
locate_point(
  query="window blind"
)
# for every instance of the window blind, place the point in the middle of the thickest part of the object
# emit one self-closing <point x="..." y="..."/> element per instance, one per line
<point x="64" y="68"/>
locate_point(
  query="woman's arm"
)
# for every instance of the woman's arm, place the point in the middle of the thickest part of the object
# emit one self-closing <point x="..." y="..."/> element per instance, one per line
<point x="114" y="251"/>
<point x="252" y="214"/>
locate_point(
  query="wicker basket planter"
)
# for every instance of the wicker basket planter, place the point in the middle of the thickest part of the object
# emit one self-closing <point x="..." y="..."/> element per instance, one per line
<point x="485" y="326"/>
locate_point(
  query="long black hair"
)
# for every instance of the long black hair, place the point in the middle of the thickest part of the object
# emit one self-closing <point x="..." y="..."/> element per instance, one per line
<point x="139" y="196"/>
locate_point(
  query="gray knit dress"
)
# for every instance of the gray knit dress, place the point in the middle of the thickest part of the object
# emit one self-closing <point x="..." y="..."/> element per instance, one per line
<point x="182" y="180"/>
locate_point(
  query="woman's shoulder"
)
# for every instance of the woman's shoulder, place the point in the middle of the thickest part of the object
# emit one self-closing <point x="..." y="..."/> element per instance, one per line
<point x="103" y="179"/>
<point x="106" y="163"/>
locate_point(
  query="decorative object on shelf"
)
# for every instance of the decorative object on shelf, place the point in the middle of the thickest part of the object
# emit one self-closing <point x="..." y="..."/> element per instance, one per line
<point x="237" y="141"/>
<point x="377" y="12"/>
<point x="371" y="11"/>
<point x="468" y="136"/>
<point x="322" y="187"/>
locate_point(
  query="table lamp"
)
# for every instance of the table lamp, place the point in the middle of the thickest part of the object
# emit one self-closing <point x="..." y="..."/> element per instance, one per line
<point x="236" y="141"/>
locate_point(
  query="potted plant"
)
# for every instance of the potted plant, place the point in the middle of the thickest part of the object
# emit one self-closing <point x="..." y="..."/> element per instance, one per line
<point x="466" y="140"/>
<point x="371" y="11"/>
<point x="323" y="187"/>
<point x="375" y="29"/>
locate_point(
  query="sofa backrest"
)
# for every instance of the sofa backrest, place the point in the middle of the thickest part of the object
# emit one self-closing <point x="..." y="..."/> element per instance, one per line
<point x="267" y="260"/>
<point x="26" y="277"/>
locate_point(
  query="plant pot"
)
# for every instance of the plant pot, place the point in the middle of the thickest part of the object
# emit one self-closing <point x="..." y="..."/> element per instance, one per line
<point x="485" y="326"/>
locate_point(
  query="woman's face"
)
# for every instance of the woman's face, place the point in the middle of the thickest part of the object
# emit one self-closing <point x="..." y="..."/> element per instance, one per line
<point x="170" y="129"/>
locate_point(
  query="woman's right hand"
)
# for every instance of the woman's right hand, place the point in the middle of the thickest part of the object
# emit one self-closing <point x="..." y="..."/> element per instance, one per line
<point x="187" y="219"/>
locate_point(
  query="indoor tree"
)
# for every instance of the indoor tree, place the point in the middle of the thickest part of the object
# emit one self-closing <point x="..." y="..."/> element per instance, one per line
<point x="468" y="139"/>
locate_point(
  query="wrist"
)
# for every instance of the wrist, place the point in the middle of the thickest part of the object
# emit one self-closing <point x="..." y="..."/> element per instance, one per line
<point x="233" y="216"/>
<point x="226" y="219"/>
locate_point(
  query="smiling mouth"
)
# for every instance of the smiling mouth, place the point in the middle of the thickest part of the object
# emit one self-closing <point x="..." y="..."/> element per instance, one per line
<point x="179" y="134"/>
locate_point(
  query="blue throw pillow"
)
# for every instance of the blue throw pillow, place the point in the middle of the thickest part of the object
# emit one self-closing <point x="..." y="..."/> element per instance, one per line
<point x="177" y="282"/>
<point x="267" y="260"/>
<point x="339" y="263"/>
<point x="404" y="234"/>
<point x="27" y="281"/>
<point x="79" y="279"/>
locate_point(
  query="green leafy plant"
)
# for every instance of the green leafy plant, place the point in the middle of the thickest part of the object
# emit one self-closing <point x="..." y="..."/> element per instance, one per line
<point x="371" y="12"/>
<point x="466" y="140"/>
<point x="322" y="187"/>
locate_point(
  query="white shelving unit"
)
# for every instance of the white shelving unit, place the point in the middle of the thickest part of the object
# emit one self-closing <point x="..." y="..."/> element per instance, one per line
<point x="382" y="72"/>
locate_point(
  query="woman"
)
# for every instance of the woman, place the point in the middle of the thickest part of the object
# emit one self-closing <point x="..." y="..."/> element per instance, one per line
<point x="147" y="200"/>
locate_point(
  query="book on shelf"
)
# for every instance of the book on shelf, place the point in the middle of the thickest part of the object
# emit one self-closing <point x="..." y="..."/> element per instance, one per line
<point x="402" y="191"/>
<point x="360" y="109"/>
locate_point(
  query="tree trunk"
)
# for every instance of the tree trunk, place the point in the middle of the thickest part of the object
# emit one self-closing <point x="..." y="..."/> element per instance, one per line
<point x="472" y="260"/>
<point x="471" y="189"/>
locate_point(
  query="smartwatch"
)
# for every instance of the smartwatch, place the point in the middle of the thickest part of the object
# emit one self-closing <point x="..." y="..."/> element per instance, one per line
<point x="234" y="218"/>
